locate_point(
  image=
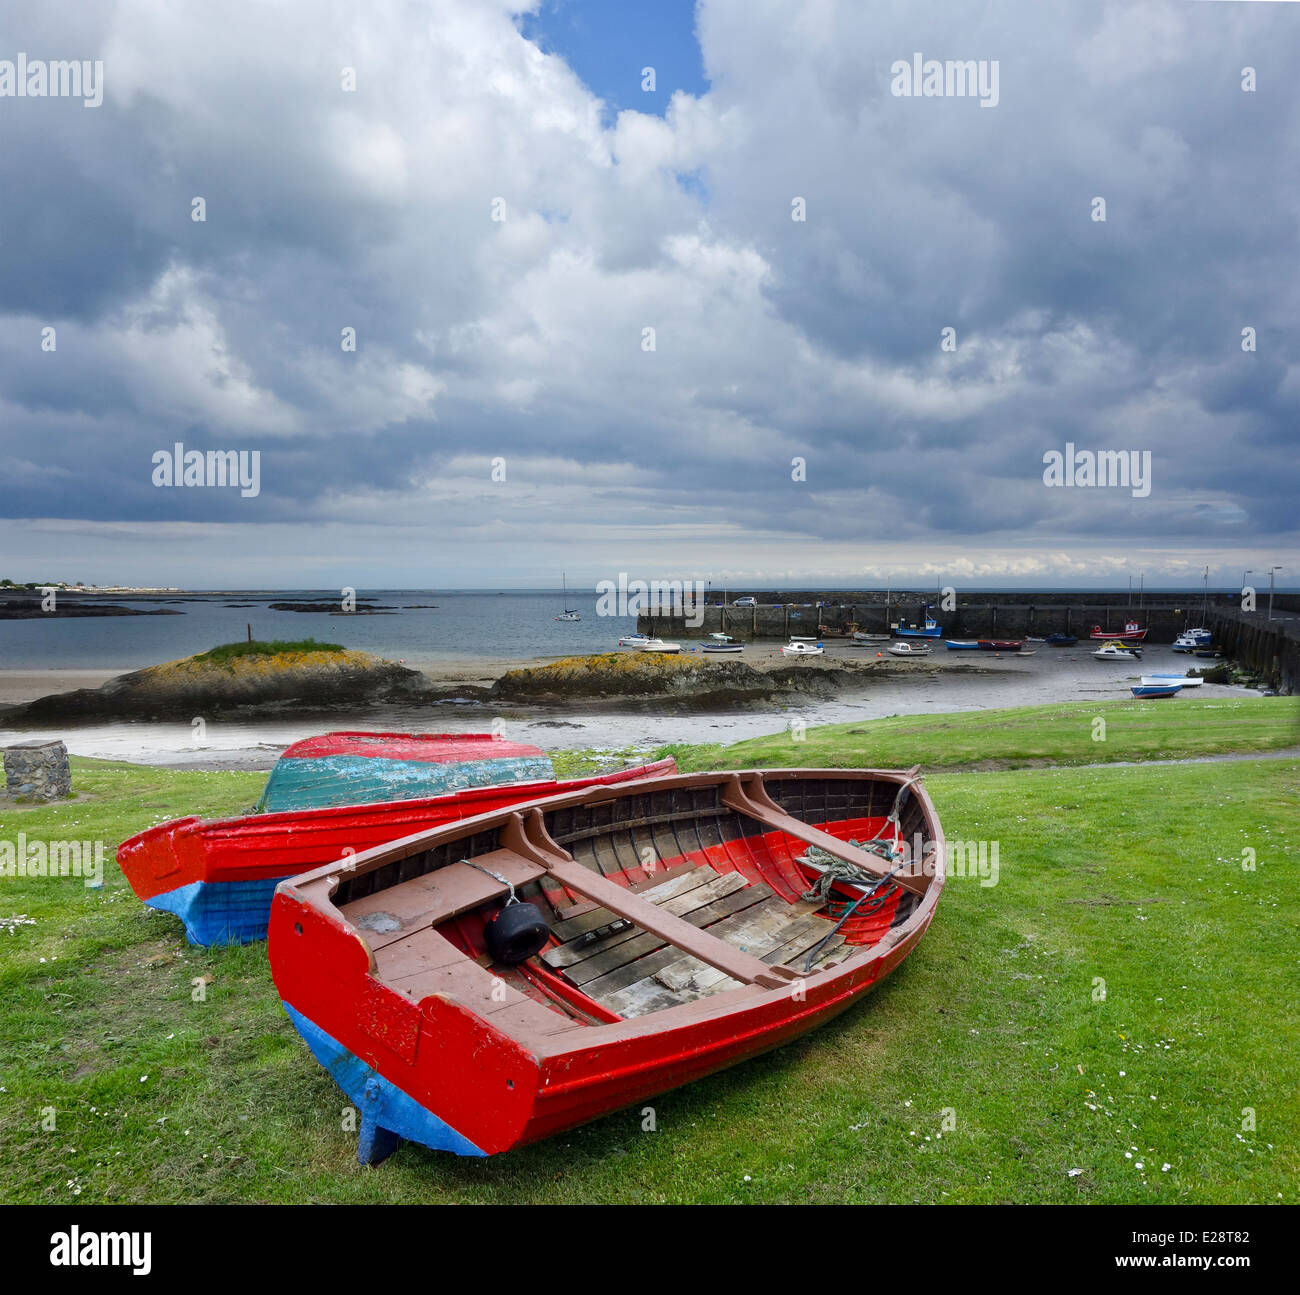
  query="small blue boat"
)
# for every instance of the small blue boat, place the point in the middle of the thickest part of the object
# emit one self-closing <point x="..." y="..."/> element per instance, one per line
<point x="1061" y="640"/>
<point x="957" y="645"/>
<point x="1156" y="690"/>
<point x="930" y="630"/>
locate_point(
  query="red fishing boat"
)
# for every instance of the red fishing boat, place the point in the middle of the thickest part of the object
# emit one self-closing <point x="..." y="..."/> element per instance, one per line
<point x="1133" y="633"/>
<point x="495" y="981"/>
<point x="1000" y="645"/>
<point x="218" y="876"/>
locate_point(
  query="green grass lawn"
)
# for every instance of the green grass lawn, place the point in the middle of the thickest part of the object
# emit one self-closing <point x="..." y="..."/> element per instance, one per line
<point x="1028" y="735"/>
<point x="994" y="1027"/>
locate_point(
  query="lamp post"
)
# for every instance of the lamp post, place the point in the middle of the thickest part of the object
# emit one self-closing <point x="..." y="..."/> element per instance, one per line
<point x="1270" y="590"/>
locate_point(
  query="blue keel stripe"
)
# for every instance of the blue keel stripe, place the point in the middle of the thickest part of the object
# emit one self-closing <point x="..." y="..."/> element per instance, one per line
<point x="221" y="912"/>
<point x="384" y="1108"/>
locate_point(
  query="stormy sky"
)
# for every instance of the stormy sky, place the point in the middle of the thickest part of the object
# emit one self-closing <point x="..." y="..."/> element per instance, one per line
<point x="500" y="211"/>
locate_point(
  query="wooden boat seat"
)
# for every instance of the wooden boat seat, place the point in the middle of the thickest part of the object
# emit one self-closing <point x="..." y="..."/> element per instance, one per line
<point x="390" y="915"/>
<point x="425" y="962"/>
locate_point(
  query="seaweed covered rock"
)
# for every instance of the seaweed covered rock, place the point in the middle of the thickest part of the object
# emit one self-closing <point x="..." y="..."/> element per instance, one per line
<point x="628" y="674"/>
<point x="297" y="677"/>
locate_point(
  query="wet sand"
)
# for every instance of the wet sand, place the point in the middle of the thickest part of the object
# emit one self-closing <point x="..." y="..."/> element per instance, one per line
<point x="27" y="685"/>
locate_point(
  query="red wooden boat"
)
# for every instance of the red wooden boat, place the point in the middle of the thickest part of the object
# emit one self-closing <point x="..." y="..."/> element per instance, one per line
<point x="1000" y="645"/>
<point x="496" y="981"/>
<point x="218" y="876"/>
<point x="1132" y="633"/>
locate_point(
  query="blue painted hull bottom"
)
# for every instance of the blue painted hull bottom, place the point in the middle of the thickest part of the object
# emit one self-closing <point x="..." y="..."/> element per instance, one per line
<point x="388" y="1115"/>
<point x="221" y="912"/>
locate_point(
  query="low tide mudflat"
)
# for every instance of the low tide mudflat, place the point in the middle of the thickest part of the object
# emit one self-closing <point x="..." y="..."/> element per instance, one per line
<point x="1112" y="1021"/>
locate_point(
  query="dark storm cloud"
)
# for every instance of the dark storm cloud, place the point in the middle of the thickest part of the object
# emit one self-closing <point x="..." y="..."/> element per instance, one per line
<point x="775" y="339"/>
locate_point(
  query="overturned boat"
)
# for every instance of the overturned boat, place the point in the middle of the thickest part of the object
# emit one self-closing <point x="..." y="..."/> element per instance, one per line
<point x="723" y="643"/>
<point x="495" y="981"/>
<point x="355" y="768"/>
<point x="219" y="875"/>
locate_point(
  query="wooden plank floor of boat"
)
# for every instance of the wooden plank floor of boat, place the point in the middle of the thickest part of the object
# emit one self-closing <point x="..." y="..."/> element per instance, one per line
<point x="632" y="972"/>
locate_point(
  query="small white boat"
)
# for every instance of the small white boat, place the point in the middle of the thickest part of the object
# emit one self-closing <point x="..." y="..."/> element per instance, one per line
<point x="658" y="645"/>
<point x="1149" y="691"/>
<point x="1115" y="652"/>
<point x="637" y="640"/>
<point x="722" y="643"/>
<point x="1190" y="640"/>
<point x="1158" y="680"/>
<point x="907" y="647"/>
<point x="803" y="647"/>
<point x="860" y="637"/>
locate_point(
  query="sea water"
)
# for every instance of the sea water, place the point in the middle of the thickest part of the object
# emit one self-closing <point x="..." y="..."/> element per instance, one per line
<point x="509" y="626"/>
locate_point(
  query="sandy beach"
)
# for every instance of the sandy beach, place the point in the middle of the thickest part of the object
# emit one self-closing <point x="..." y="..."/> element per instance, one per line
<point x="26" y="685"/>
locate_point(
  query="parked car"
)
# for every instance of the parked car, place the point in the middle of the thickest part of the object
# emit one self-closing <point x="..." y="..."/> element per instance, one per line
<point x="746" y="602"/>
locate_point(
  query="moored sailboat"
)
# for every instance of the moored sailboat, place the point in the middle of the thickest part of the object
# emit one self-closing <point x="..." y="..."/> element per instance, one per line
<point x="569" y="613"/>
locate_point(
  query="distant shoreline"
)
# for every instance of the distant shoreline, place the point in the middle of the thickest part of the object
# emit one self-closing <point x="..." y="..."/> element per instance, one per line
<point x="715" y="592"/>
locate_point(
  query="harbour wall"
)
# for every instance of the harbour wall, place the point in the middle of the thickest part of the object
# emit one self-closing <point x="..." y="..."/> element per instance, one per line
<point x="1270" y="649"/>
<point x="998" y="615"/>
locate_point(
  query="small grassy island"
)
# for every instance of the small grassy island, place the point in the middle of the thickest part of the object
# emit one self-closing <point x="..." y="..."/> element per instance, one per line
<point x="228" y="652"/>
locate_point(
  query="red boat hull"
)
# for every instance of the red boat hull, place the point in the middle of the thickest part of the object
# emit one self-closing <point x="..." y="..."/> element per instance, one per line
<point x="1127" y="636"/>
<point x="259" y="847"/>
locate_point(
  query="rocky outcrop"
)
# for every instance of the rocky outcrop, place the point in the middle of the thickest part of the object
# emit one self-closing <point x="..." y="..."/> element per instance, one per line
<point x="20" y="609"/>
<point x="698" y="680"/>
<point x="333" y="609"/>
<point x="296" y="682"/>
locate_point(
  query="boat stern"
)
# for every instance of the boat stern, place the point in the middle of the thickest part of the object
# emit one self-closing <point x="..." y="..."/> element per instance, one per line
<point x="402" y="1063"/>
